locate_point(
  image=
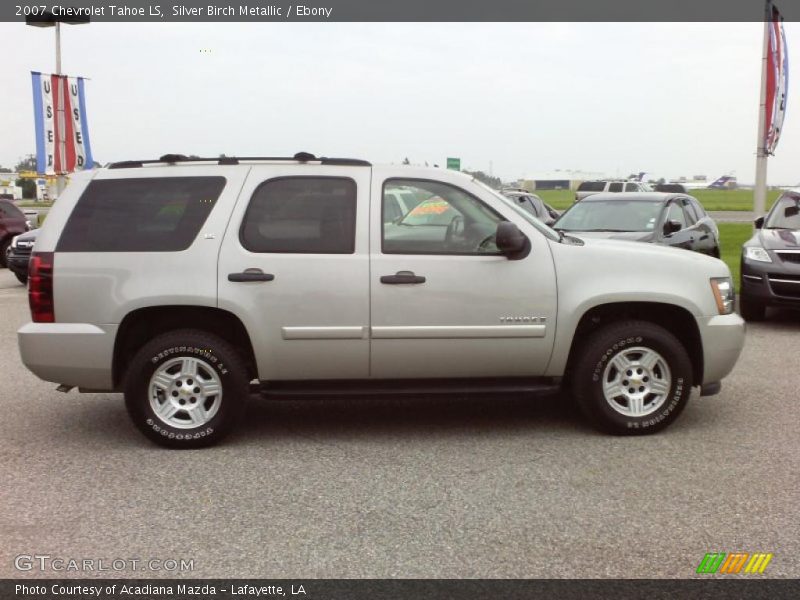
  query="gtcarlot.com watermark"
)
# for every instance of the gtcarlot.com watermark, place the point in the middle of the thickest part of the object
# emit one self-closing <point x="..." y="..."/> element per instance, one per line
<point x="48" y="563"/>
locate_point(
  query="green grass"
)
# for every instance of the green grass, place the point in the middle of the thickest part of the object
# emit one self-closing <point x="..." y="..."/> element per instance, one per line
<point x="731" y="237"/>
<point x="710" y="199"/>
<point x="32" y="204"/>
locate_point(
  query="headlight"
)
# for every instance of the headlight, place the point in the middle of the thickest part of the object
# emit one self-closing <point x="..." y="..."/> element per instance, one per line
<point x="724" y="294"/>
<point x="756" y="253"/>
<point x="14" y="241"/>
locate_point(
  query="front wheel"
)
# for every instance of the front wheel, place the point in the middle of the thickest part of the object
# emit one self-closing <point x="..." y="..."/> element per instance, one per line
<point x="186" y="389"/>
<point x="22" y="278"/>
<point x="632" y="377"/>
<point x="5" y="248"/>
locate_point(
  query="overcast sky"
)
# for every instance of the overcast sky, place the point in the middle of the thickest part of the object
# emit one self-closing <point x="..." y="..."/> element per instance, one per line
<point x="523" y="98"/>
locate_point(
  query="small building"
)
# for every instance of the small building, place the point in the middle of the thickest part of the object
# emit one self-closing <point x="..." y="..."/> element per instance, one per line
<point x="560" y="179"/>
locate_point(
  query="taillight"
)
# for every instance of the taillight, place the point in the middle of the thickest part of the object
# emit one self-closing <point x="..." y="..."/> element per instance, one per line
<point x="40" y="287"/>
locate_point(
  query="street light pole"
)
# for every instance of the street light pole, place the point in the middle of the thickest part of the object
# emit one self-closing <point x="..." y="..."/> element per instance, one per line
<point x="60" y="180"/>
<point x="48" y="19"/>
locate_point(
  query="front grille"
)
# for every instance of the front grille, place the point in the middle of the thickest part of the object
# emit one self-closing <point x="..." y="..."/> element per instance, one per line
<point x="784" y="284"/>
<point x="789" y="257"/>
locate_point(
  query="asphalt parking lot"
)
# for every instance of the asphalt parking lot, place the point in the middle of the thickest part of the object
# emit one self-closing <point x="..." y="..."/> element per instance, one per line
<point x="447" y="487"/>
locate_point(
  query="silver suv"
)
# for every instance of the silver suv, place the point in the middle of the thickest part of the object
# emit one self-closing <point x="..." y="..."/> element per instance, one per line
<point x="190" y="284"/>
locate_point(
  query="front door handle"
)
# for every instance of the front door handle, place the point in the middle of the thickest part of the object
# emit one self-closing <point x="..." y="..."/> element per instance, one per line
<point x="251" y="275"/>
<point x="402" y="277"/>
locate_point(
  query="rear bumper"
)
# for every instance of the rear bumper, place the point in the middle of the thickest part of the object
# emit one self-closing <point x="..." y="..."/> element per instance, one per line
<point x="76" y="354"/>
<point x="723" y="340"/>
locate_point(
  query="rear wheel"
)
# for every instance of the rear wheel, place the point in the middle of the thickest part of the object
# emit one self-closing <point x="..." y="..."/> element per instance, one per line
<point x="751" y="310"/>
<point x="632" y="377"/>
<point x="186" y="389"/>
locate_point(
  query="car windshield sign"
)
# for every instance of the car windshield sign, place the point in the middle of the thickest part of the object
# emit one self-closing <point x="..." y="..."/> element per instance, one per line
<point x="611" y="215"/>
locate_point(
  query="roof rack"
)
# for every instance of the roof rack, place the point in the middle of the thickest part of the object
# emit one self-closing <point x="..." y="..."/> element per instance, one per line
<point x="301" y="157"/>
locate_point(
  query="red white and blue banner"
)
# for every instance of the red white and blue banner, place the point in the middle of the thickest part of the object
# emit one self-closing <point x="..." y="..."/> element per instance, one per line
<point x="62" y="131"/>
<point x="777" y="81"/>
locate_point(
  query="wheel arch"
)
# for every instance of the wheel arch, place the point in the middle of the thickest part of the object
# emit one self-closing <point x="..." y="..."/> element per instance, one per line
<point x="141" y="325"/>
<point x="676" y="319"/>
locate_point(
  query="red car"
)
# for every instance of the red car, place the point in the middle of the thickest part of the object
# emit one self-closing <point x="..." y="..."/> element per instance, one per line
<point x="12" y="222"/>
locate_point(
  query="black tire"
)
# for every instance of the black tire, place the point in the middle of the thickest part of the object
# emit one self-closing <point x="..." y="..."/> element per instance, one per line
<point x="4" y="246"/>
<point x="603" y="346"/>
<point x="751" y="310"/>
<point x="22" y="278"/>
<point x="219" y="359"/>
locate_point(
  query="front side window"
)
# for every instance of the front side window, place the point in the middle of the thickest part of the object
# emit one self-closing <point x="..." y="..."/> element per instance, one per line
<point x="631" y="187"/>
<point x="446" y="220"/>
<point x="675" y="213"/>
<point x="152" y="214"/>
<point x="308" y="215"/>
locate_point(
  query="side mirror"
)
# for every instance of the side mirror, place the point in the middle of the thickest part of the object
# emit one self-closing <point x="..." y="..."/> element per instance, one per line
<point x="759" y="222"/>
<point x="671" y="227"/>
<point x="511" y="241"/>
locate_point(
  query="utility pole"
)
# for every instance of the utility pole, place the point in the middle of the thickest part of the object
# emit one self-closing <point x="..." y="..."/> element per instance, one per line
<point x="760" y="192"/>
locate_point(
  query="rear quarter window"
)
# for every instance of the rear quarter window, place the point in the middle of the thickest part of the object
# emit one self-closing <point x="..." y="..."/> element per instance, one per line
<point x="153" y="214"/>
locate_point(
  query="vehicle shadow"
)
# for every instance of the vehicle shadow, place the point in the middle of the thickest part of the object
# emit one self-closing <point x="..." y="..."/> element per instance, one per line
<point x="781" y="318"/>
<point x="412" y="417"/>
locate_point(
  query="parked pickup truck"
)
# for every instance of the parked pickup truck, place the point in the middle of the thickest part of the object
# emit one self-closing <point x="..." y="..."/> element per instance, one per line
<point x="189" y="284"/>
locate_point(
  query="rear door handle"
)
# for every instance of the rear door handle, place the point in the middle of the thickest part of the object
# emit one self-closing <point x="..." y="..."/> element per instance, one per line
<point x="402" y="277"/>
<point x="251" y="275"/>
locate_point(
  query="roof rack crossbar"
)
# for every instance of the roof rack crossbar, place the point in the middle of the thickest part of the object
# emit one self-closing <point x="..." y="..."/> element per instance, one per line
<point x="301" y="157"/>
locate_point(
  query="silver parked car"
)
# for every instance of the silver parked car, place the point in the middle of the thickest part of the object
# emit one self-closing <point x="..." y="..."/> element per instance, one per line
<point x="187" y="284"/>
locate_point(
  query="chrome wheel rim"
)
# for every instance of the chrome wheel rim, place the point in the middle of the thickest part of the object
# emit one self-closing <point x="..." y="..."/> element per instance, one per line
<point x="636" y="381"/>
<point x="185" y="393"/>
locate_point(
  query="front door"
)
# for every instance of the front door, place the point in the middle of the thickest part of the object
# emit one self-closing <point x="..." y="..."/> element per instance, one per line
<point x="444" y="301"/>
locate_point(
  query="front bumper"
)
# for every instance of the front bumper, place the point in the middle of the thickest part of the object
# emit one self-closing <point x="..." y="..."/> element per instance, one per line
<point x="76" y="354"/>
<point x="771" y="284"/>
<point x="18" y="263"/>
<point x="723" y="340"/>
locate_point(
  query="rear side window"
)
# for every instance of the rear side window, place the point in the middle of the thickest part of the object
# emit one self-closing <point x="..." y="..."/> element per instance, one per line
<point x="154" y="214"/>
<point x="592" y="186"/>
<point x="309" y="215"/>
<point x="615" y="187"/>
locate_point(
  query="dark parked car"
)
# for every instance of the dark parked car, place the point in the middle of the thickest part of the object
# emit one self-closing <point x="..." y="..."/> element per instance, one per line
<point x="668" y="219"/>
<point x="12" y="222"/>
<point x="19" y="253"/>
<point x="771" y="260"/>
<point x="533" y="204"/>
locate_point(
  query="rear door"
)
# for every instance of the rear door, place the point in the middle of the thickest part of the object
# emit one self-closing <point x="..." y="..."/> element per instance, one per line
<point x="294" y="267"/>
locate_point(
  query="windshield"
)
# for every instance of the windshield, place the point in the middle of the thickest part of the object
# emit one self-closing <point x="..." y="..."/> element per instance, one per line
<point x="520" y="211"/>
<point x="785" y="214"/>
<point x="611" y="215"/>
